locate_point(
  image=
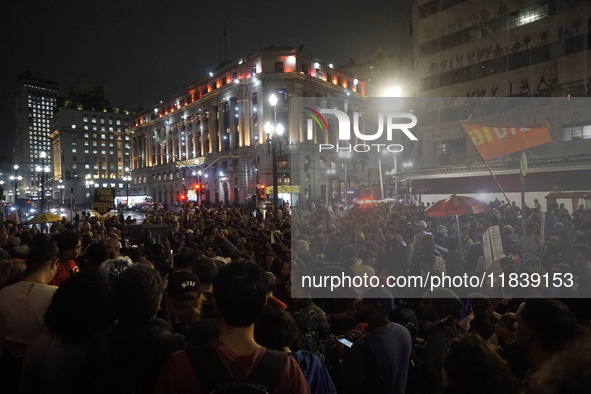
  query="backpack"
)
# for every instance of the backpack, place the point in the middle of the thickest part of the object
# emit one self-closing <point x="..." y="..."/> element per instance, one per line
<point x="214" y="378"/>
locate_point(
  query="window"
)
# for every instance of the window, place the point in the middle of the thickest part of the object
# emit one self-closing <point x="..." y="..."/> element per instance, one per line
<point x="576" y="132"/>
<point x="279" y="67"/>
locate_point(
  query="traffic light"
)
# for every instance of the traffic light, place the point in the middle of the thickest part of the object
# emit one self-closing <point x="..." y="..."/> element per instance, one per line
<point x="183" y="198"/>
<point x="261" y="191"/>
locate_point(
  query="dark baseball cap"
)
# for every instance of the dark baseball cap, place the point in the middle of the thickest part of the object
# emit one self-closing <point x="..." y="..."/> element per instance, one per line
<point x="181" y="283"/>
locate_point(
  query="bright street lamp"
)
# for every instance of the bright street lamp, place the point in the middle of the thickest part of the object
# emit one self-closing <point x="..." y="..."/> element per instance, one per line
<point x="345" y="156"/>
<point x="274" y="133"/>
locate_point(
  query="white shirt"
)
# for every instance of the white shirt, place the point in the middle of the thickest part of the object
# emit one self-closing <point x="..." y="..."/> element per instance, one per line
<point x="22" y="310"/>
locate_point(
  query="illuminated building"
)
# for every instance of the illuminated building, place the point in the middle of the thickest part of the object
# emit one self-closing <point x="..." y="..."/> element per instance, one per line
<point x="90" y="148"/>
<point x="468" y="49"/>
<point x="213" y="132"/>
<point x="35" y="102"/>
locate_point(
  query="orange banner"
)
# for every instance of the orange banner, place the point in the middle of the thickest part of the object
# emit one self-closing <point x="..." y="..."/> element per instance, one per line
<point x="495" y="141"/>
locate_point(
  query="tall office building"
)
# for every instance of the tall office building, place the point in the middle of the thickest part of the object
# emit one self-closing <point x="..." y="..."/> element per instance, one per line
<point x="35" y="102"/>
<point x="469" y="51"/>
<point x="90" y="149"/>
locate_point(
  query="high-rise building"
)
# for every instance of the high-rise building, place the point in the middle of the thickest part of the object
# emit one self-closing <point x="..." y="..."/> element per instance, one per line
<point x="213" y="133"/>
<point x="35" y="102"/>
<point x="90" y="149"/>
<point x="469" y="50"/>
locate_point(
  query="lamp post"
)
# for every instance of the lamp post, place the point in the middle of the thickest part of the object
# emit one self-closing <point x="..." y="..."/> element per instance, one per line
<point x="15" y="182"/>
<point x="61" y="187"/>
<point x="393" y="174"/>
<point x="345" y="155"/>
<point x="89" y="183"/>
<point x="127" y="180"/>
<point x="274" y="132"/>
<point x="329" y="172"/>
<point x="42" y="170"/>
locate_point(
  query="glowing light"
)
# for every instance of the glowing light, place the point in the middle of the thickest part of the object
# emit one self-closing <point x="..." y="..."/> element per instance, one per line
<point x="279" y="129"/>
<point x="268" y="128"/>
<point x="392" y="91"/>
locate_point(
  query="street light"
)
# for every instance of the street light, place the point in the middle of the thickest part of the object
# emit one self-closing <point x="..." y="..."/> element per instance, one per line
<point x="393" y="173"/>
<point x="42" y="170"/>
<point x="89" y="183"/>
<point x="15" y="182"/>
<point x="274" y="132"/>
<point x="329" y="172"/>
<point x="345" y="155"/>
<point x="127" y="180"/>
<point x="61" y="187"/>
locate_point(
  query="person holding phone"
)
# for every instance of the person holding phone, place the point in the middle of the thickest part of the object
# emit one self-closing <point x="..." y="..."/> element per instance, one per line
<point x="378" y="361"/>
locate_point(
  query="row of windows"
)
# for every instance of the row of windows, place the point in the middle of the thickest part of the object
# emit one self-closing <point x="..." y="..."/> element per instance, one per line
<point x="103" y="128"/>
<point x="95" y="152"/>
<point x="522" y="17"/>
<point x="104" y="136"/>
<point x="575" y="133"/>
<point x="436" y="6"/>
<point x="94" y="120"/>
<point x="510" y="62"/>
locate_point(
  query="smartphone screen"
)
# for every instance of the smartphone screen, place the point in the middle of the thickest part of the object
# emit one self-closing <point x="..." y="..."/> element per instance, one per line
<point x="346" y="342"/>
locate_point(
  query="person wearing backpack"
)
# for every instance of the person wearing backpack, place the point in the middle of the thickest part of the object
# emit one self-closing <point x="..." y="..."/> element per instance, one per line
<point x="234" y="362"/>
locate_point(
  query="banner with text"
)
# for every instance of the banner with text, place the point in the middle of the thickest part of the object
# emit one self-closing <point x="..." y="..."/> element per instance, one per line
<point x="494" y="141"/>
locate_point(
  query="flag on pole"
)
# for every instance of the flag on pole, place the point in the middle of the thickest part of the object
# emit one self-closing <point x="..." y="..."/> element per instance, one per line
<point x="494" y="141"/>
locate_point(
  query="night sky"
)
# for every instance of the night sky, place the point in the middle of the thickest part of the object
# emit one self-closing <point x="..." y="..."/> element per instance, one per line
<point x="158" y="48"/>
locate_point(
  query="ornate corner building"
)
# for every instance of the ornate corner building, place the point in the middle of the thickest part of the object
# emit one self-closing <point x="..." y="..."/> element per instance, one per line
<point x="212" y="133"/>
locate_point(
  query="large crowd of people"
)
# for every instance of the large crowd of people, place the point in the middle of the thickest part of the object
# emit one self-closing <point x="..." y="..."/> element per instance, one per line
<point x="202" y="301"/>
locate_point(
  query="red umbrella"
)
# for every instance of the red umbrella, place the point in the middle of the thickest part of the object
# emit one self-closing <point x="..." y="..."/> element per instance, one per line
<point x="456" y="205"/>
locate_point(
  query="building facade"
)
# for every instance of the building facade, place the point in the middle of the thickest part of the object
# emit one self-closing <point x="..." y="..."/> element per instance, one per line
<point x="467" y="50"/>
<point x="90" y="149"/>
<point x="35" y="103"/>
<point x="213" y="133"/>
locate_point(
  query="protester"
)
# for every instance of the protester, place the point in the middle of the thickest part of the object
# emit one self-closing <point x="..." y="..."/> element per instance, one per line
<point x="543" y="327"/>
<point x="58" y="362"/>
<point x="22" y="307"/>
<point x="275" y="329"/>
<point x="184" y="300"/>
<point x="378" y="362"/>
<point x="472" y="366"/>
<point x="70" y="245"/>
<point x="235" y="351"/>
<point x="134" y="351"/>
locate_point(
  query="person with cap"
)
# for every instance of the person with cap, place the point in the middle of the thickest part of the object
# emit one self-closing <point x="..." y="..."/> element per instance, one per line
<point x="378" y="362"/>
<point x="184" y="300"/>
<point x="234" y="359"/>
